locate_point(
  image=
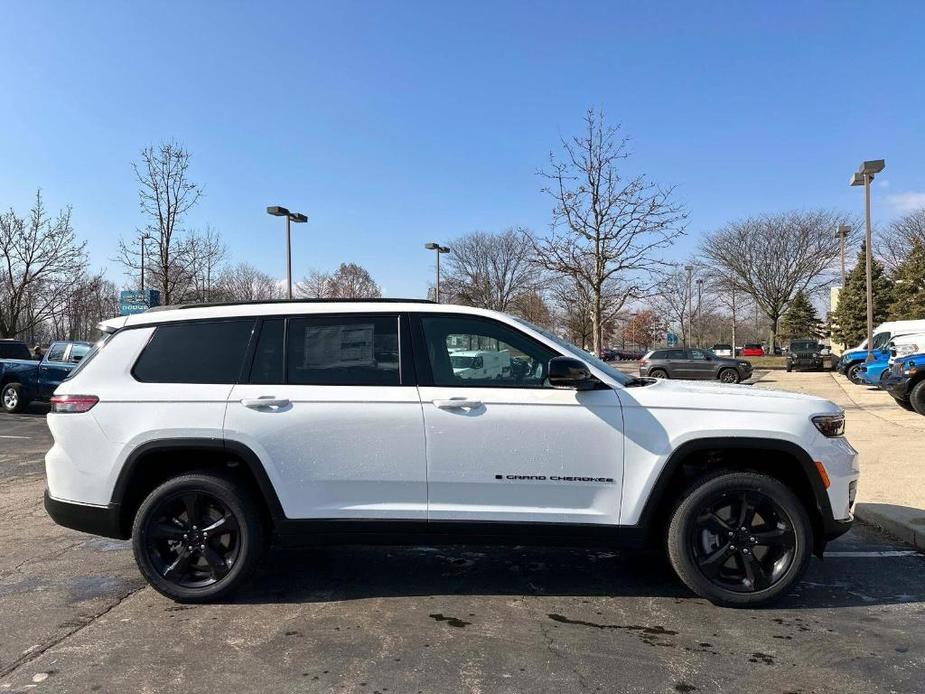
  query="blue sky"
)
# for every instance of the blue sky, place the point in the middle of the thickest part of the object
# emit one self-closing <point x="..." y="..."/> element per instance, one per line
<point x="393" y="124"/>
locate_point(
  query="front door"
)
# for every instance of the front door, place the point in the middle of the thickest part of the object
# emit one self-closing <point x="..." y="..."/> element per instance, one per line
<point x="699" y="366"/>
<point x="507" y="446"/>
<point x="334" y="417"/>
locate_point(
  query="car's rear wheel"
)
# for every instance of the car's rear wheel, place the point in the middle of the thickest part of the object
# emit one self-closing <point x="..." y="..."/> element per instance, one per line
<point x="917" y="397"/>
<point x="729" y="376"/>
<point x="853" y="372"/>
<point x="740" y="539"/>
<point x="11" y="397"/>
<point x="658" y="373"/>
<point x="198" y="537"/>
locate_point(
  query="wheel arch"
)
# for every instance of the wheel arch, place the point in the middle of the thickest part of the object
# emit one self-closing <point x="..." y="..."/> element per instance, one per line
<point x="698" y="457"/>
<point x="154" y="462"/>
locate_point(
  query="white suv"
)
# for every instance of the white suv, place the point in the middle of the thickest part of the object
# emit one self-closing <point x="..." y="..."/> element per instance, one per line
<point x="206" y="432"/>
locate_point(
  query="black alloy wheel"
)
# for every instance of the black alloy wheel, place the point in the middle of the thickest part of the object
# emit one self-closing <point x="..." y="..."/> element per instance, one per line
<point x="197" y="537"/>
<point x="740" y="539"/>
<point x="658" y="373"/>
<point x="729" y="376"/>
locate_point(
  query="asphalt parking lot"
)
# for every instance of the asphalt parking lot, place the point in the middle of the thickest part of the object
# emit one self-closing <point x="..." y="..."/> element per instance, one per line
<point x="76" y="617"/>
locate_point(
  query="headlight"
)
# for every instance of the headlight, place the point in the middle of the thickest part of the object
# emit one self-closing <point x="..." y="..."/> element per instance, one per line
<point x="830" y="424"/>
<point x="816" y="355"/>
<point x="901" y="350"/>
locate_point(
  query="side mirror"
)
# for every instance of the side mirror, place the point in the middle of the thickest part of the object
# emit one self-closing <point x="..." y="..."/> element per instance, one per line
<point x="566" y="372"/>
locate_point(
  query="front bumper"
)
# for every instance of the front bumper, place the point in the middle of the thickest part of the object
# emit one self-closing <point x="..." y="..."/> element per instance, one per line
<point x="96" y="520"/>
<point x="807" y="363"/>
<point x="897" y="386"/>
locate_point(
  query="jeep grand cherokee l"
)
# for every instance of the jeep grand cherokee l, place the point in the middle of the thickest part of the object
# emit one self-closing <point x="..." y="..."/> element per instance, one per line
<point x="205" y="432"/>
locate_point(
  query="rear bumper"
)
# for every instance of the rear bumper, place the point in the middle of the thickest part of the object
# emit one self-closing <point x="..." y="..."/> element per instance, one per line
<point x="96" y="520"/>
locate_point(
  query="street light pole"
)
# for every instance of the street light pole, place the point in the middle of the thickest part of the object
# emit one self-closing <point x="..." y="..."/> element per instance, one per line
<point x="440" y="250"/>
<point x="864" y="175"/>
<point x="690" y="306"/>
<point x="144" y="237"/>
<point x="298" y="218"/>
<point x="842" y="235"/>
<point x="700" y="311"/>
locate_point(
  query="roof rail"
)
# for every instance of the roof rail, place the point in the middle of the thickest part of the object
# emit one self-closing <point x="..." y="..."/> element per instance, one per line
<point x="289" y="301"/>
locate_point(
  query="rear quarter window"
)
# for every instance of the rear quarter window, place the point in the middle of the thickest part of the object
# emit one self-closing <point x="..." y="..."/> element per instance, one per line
<point x="657" y="355"/>
<point x="195" y="352"/>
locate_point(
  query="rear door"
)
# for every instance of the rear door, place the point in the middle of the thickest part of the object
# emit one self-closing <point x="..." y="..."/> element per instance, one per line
<point x="331" y="409"/>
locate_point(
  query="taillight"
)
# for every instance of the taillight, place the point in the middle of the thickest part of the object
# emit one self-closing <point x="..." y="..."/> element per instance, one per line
<point x="642" y="362"/>
<point x="72" y="404"/>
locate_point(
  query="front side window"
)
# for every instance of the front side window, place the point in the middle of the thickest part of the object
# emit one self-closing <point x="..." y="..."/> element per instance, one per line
<point x="78" y="352"/>
<point x="56" y="352"/>
<point x="195" y="352"/>
<point x="698" y="355"/>
<point x="343" y="350"/>
<point x="466" y="351"/>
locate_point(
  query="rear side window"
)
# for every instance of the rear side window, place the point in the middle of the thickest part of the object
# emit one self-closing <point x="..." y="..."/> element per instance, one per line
<point x="14" y="350"/>
<point x="675" y="354"/>
<point x="195" y="352"/>
<point x="660" y="354"/>
<point x="343" y="351"/>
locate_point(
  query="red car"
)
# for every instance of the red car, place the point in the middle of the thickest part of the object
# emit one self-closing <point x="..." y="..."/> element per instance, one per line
<point x="752" y="349"/>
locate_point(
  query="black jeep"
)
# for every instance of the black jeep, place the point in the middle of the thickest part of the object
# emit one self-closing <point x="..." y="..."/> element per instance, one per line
<point x="806" y="354"/>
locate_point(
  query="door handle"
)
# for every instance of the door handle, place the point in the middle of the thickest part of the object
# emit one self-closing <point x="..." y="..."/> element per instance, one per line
<point x="264" y="401"/>
<point x="458" y="403"/>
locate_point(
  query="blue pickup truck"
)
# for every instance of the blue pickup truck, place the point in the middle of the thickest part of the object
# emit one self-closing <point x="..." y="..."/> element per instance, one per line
<point x="24" y="380"/>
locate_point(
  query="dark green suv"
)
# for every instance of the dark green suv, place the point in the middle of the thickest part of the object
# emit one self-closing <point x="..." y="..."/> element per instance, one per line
<point x="806" y="354"/>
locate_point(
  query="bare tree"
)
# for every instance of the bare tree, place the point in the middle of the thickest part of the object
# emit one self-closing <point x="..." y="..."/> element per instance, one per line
<point x="206" y="252"/>
<point x="492" y="271"/>
<point x="87" y="300"/>
<point x="244" y="282"/>
<point x="574" y="303"/>
<point x="772" y="257"/>
<point x="40" y="256"/>
<point x="349" y="281"/>
<point x="901" y="237"/>
<point x="607" y="229"/>
<point x="673" y="300"/>
<point x="165" y="195"/>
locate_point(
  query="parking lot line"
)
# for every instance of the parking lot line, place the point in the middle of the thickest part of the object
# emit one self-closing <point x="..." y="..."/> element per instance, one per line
<point x="884" y="553"/>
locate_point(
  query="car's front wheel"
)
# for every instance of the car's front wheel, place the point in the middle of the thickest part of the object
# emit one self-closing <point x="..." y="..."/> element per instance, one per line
<point x="740" y="539"/>
<point x="11" y="396"/>
<point x="198" y="537"/>
<point x="917" y="397"/>
<point x="729" y="376"/>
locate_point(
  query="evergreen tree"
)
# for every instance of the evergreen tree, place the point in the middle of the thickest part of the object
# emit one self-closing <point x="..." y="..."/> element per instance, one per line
<point x="849" y="319"/>
<point x="909" y="288"/>
<point x="801" y="319"/>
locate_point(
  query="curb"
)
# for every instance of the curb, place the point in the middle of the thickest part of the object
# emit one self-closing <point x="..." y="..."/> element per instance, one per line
<point x="906" y="524"/>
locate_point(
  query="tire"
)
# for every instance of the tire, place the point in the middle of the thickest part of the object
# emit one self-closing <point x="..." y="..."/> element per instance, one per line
<point x="852" y="372"/>
<point x="728" y="376"/>
<point x="917" y="397"/>
<point x="737" y="575"/>
<point x="200" y="573"/>
<point x="789" y="367"/>
<point x="905" y="404"/>
<point x="12" y="398"/>
<point x="658" y="373"/>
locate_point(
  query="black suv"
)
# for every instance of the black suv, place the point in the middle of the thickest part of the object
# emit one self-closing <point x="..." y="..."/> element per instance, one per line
<point x="700" y="364"/>
<point x="805" y="354"/>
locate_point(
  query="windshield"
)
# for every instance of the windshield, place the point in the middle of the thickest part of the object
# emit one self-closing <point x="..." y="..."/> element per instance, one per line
<point x="620" y="377"/>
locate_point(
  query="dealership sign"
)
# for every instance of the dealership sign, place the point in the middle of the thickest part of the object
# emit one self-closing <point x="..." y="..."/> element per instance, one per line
<point x="138" y="301"/>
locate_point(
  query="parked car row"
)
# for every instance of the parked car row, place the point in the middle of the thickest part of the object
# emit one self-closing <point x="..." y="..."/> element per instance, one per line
<point x="24" y="379"/>
<point x="896" y="365"/>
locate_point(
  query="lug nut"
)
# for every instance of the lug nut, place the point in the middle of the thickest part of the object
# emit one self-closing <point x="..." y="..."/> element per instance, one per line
<point x="732" y="547"/>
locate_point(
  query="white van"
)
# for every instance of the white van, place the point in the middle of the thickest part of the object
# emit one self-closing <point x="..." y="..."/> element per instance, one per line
<point x="480" y="363"/>
<point x="885" y="332"/>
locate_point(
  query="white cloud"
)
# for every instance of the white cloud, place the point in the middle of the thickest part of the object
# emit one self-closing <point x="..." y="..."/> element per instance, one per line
<point x="907" y="202"/>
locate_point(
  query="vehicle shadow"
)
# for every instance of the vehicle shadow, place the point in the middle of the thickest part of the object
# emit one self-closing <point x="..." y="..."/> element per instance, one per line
<point x="330" y="574"/>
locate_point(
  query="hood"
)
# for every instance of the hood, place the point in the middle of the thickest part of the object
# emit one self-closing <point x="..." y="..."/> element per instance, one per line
<point x="720" y="396"/>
